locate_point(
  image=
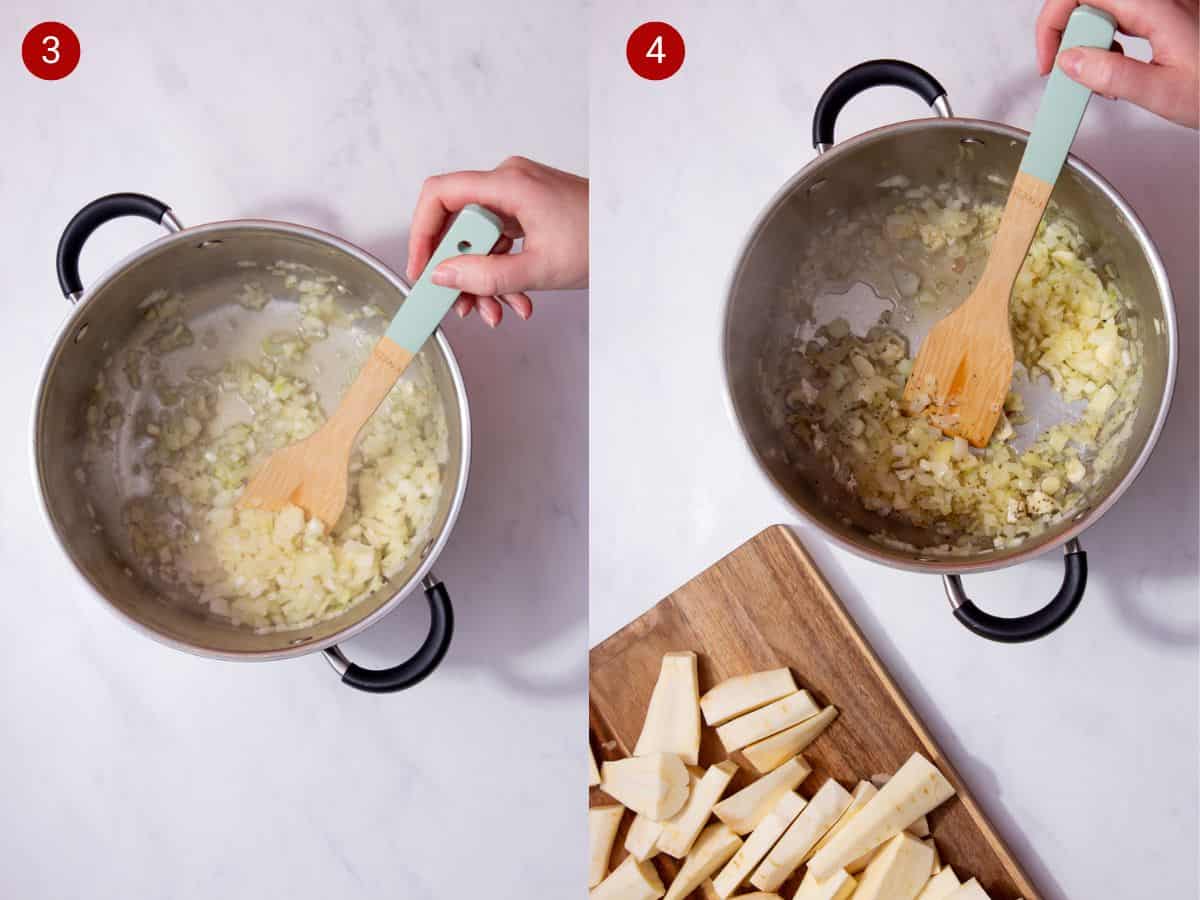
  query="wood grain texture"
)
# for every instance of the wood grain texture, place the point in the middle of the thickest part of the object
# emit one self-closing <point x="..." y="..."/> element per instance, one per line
<point x="766" y="605"/>
<point x="965" y="364"/>
<point x="314" y="473"/>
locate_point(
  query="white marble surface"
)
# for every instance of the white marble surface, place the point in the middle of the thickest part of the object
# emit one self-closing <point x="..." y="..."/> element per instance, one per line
<point x="131" y="770"/>
<point x="1082" y="747"/>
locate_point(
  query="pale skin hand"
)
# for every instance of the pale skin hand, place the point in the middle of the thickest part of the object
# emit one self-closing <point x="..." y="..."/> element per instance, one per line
<point x="546" y="207"/>
<point x="1168" y="86"/>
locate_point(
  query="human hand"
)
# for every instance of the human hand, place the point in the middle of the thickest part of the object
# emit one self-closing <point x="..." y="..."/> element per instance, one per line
<point x="1169" y="85"/>
<point x="546" y="207"/>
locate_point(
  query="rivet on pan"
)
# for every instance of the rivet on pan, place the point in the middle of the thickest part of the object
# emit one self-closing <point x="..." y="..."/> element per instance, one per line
<point x="81" y="333"/>
<point x="972" y="140"/>
<point x="817" y="185"/>
<point x="209" y="243"/>
<point x="296" y="642"/>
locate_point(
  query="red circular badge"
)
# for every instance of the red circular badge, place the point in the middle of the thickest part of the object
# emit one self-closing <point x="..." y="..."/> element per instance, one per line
<point x="50" y="51"/>
<point x="655" y="50"/>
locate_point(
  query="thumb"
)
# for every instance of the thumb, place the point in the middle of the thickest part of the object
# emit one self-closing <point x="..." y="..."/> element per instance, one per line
<point x="486" y="276"/>
<point x="1116" y="75"/>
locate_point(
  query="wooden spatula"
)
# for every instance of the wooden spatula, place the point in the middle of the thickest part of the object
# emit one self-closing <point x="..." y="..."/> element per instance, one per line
<point x="964" y="370"/>
<point x="312" y="474"/>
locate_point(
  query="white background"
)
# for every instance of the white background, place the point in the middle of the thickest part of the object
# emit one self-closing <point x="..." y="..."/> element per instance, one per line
<point x="1081" y="747"/>
<point x="128" y="770"/>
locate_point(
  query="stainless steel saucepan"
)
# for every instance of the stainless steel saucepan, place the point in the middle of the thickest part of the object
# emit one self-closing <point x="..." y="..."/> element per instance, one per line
<point x="761" y="315"/>
<point x="209" y="264"/>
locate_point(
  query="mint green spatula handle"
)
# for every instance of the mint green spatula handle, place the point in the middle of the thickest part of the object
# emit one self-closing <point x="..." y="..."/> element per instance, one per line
<point x="475" y="230"/>
<point x="1065" y="100"/>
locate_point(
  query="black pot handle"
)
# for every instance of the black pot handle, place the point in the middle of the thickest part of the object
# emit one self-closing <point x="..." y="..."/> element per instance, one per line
<point x="91" y="217"/>
<point x="867" y="75"/>
<point x="1035" y="625"/>
<point x="419" y="665"/>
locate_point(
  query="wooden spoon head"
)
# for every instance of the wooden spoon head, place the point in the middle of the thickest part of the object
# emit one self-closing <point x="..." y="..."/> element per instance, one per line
<point x="311" y="474"/>
<point x="963" y="372"/>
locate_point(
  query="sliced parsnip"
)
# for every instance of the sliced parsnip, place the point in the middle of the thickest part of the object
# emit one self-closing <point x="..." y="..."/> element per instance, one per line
<point x="898" y="872"/>
<point x="863" y="792"/>
<point x="972" y="890"/>
<point x="642" y="838"/>
<point x="656" y="786"/>
<point x="603" y="822"/>
<point x="857" y="866"/>
<point x="744" y="810"/>
<point x="745" y="693"/>
<point x="759" y="844"/>
<point x="839" y="887"/>
<point x="593" y="772"/>
<point x="818" y="817"/>
<point x="916" y="788"/>
<point x="673" y="717"/>
<point x="940" y="886"/>
<point x="919" y="827"/>
<point x="759" y="895"/>
<point x="681" y="830"/>
<point x="771" y="719"/>
<point x="631" y="880"/>
<point x="770" y="752"/>
<point x="716" y="844"/>
<point x="937" y="857"/>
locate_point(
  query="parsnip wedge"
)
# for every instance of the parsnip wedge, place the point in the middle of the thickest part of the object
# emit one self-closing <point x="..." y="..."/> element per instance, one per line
<point x="716" y="844"/>
<point x="656" y="786"/>
<point x="631" y="880"/>
<point x="770" y="752"/>
<point x="745" y="693"/>
<point x="744" y="810"/>
<point x="915" y="789"/>
<point x="771" y="719"/>
<point x="673" y="717"/>
<point x="971" y="890"/>
<point x="863" y="792"/>
<point x="937" y="857"/>
<point x="839" y="887"/>
<point x="818" y="817"/>
<point x="641" y="841"/>
<point x="603" y="822"/>
<point x="919" y="827"/>
<point x="593" y="771"/>
<point x="681" y="830"/>
<point x="759" y="844"/>
<point x="759" y="895"/>
<point x="940" y="886"/>
<point x="898" y="872"/>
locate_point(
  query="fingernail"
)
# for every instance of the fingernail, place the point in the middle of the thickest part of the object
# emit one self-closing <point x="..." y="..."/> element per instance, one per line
<point x="462" y="312"/>
<point x="1071" y="63"/>
<point x="445" y="276"/>
<point x="489" y="317"/>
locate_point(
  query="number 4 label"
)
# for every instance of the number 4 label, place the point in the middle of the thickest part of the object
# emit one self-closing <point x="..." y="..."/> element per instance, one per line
<point x="655" y="51"/>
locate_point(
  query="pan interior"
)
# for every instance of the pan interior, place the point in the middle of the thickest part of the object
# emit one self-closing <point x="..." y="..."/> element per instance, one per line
<point x="210" y="266"/>
<point x="779" y="297"/>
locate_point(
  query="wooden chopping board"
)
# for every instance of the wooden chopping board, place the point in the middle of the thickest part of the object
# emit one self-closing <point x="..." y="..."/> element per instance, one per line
<point x="766" y="605"/>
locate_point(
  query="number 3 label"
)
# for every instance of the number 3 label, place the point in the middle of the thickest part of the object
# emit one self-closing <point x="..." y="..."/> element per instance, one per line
<point x="51" y="56"/>
<point x="655" y="51"/>
<point x="50" y="51"/>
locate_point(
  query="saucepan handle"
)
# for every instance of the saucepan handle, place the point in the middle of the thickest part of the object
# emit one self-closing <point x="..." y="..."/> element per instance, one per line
<point x="867" y="75"/>
<point x="91" y="217"/>
<point x="419" y="665"/>
<point x="1035" y="625"/>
